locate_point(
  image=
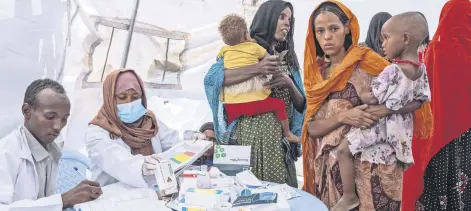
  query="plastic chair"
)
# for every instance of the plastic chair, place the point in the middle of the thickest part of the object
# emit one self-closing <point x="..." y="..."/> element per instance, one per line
<point x="66" y="176"/>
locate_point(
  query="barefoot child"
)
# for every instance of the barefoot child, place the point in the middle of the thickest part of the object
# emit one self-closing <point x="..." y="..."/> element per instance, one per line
<point x="247" y="98"/>
<point x="400" y="83"/>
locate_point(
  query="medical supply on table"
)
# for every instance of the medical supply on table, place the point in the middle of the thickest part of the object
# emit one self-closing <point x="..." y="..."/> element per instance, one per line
<point x="121" y="197"/>
<point x="286" y="190"/>
<point x="210" y="198"/>
<point x="254" y="199"/>
<point x="165" y="178"/>
<point x="232" y="159"/>
<point x="247" y="178"/>
<point x="184" y="207"/>
<point x="204" y="168"/>
<point x="203" y="181"/>
<point x="183" y="154"/>
<point x="195" y="179"/>
<point x="215" y="173"/>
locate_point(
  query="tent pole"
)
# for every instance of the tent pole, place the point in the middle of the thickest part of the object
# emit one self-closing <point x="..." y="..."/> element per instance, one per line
<point x="129" y="37"/>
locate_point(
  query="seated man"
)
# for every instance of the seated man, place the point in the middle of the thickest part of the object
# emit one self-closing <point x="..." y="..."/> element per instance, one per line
<point x="29" y="156"/>
<point x="207" y="159"/>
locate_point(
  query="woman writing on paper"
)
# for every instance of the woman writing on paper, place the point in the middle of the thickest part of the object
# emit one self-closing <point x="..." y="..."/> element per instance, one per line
<point x="123" y="139"/>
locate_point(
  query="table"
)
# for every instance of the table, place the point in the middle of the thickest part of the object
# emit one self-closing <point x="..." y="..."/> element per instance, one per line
<point x="306" y="202"/>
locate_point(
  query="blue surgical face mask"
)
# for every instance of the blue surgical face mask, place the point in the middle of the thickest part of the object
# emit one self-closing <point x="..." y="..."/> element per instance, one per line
<point x="131" y="112"/>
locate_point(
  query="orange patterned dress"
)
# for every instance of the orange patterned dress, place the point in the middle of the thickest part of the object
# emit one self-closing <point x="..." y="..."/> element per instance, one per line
<point x="379" y="186"/>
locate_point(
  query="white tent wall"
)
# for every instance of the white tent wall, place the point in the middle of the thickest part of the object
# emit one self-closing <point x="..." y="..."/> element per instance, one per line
<point x="27" y="52"/>
<point x="31" y="47"/>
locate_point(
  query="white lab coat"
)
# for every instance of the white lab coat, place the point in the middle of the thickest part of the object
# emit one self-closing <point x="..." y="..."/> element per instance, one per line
<point x="19" y="183"/>
<point x="112" y="160"/>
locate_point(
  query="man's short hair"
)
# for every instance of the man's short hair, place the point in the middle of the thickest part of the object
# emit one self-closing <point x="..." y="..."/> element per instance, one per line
<point x="207" y="126"/>
<point x="37" y="86"/>
<point x="232" y="29"/>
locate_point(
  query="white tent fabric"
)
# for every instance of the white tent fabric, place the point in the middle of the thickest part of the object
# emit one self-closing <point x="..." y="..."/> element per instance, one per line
<point x="35" y="34"/>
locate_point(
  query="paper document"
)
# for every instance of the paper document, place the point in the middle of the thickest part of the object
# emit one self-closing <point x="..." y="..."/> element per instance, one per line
<point x="120" y="197"/>
<point x="248" y="179"/>
<point x="285" y="190"/>
<point x="185" y="153"/>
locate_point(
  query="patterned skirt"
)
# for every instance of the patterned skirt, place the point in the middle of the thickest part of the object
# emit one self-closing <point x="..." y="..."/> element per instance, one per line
<point x="446" y="178"/>
<point x="264" y="134"/>
<point x="379" y="186"/>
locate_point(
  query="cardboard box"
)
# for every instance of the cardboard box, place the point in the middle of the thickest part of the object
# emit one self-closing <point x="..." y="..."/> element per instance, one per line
<point x="230" y="159"/>
<point x="165" y="178"/>
<point x="209" y="198"/>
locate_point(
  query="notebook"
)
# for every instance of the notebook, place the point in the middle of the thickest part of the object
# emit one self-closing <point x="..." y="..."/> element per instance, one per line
<point x="185" y="153"/>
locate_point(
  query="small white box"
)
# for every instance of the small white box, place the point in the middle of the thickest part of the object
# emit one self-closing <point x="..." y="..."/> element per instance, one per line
<point x="230" y="159"/>
<point x="165" y="178"/>
<point x="209" y="198"/>
<point x="184" y="207"/>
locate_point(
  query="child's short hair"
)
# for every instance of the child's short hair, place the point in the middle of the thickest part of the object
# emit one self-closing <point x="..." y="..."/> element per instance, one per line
<point x="414" y="23"/>
<point x="232" y="29"/>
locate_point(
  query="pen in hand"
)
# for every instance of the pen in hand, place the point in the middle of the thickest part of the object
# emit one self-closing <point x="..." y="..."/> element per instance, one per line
<point x="84" y="177"/>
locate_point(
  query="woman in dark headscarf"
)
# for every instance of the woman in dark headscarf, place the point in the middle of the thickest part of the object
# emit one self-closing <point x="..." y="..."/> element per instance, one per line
<point x="373" y="39"/>
<point x="272" y="156"/>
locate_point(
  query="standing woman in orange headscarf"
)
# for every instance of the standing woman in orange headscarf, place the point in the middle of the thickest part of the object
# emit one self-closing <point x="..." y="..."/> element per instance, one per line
<point x="333" y="106"/>
<point x="442" y="171"/>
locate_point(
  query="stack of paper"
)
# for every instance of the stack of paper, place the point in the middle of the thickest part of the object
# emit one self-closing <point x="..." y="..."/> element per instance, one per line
<point x="120" y="197"/>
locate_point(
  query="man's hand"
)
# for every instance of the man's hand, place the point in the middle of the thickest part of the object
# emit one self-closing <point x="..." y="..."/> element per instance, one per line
<point x="83" y="192"/>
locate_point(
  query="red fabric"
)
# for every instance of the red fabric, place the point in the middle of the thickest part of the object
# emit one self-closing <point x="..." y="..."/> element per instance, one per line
<point x="271" y="104"/>
<point x="448" y="61"/>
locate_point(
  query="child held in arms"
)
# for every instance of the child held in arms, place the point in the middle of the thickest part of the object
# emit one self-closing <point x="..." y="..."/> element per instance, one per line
<point x="248" y="98"/>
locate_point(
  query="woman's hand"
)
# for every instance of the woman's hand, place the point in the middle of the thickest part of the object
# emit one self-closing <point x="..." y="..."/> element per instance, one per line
<point x="268" y="65"/>
<point x="150" y="164"/>
<point x="379" y="111"/>
<point x="280" y="80"/>
<point x="358" y="117"/>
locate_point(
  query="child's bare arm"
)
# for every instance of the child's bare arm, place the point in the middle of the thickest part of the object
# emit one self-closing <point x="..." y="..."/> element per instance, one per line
<point x="368" y="98"/>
